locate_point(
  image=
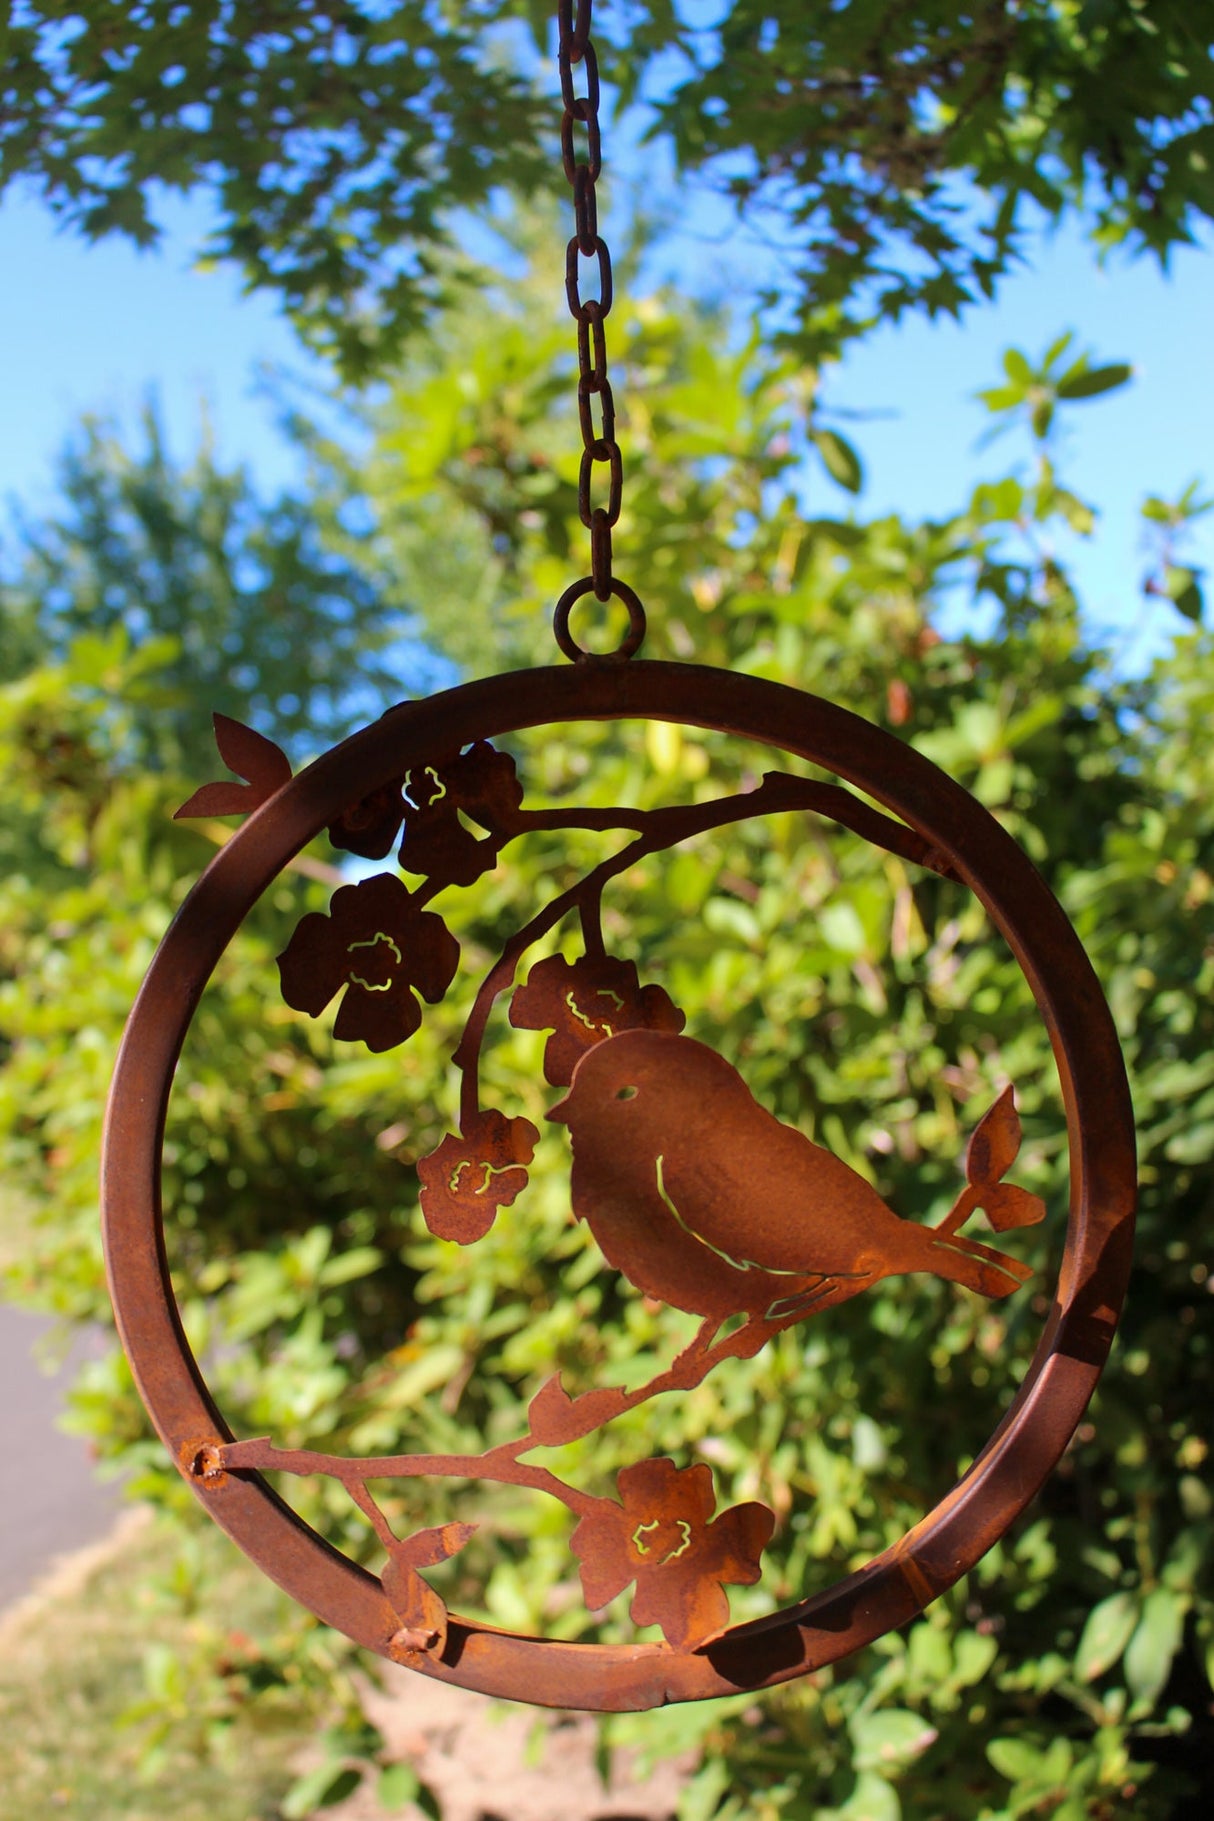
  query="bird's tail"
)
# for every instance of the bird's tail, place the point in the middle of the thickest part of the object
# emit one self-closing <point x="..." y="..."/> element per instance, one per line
<point x="978" y="1267"/>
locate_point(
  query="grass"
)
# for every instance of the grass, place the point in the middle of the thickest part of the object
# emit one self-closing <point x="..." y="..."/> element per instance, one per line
<point x="145" y="1684"/>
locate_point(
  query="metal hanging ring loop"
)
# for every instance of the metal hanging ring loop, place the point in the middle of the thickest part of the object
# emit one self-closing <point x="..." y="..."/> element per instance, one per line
<point x="628" y="646"/>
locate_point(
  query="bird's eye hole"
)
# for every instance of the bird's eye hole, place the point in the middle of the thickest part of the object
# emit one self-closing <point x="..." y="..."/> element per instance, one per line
<point x="626" y="1093"/>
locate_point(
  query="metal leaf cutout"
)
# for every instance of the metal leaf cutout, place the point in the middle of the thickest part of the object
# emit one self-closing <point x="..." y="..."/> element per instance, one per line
<point x="251" y="756"/>
<point x="422" y="1612"/>
<point x="995" y="1144"/>
<point x="990" y="1154"/>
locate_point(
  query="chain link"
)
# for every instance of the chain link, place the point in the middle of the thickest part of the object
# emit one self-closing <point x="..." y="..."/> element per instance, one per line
<point x="599" y="447"/>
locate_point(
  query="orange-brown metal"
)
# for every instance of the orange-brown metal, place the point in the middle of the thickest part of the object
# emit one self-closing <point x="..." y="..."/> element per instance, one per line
<point x="668" y="1147"/>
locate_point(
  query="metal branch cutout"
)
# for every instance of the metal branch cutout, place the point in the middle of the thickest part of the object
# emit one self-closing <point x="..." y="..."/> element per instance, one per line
<point x="696" y="1195"/>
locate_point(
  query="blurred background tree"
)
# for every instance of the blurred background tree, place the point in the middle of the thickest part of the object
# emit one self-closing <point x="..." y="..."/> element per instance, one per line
<point x="1071" y="1674"/>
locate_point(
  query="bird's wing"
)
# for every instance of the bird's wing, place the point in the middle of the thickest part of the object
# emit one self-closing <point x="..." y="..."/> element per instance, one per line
<point x="761" y="1192"/>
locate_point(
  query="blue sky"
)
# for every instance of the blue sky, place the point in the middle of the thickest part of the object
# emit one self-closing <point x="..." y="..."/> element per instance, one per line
<point x="93" y="328"/>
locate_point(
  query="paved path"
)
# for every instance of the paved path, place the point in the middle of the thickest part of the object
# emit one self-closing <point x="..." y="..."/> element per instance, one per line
<point x="50" y="1501"/>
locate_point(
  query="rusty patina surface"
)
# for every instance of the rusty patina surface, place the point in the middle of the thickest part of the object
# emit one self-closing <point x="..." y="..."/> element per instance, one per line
<point x="692" y="1235"/>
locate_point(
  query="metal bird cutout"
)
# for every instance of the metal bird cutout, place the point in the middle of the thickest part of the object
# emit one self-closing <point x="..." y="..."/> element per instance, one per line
<point x="705" y="1200"/>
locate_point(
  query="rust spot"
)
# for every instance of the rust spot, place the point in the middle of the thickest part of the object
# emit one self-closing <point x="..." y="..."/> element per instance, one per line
<point x="203" y="1462"/>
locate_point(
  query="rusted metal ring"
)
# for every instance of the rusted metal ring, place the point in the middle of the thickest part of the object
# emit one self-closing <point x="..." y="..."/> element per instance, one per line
<point x="628" y="646"/>
<point x="593" y="160"/>
<point x="581" y="105"/>
<point x="585" y="211"/>
<point x="601" y="305"/>
<point x="573" y="35"/>
<point x="587" y="388"/>
<point x="609" y="456"/>
<point x="600" y="555"/>
<point x="592" y="344"/>
<point x="1007" y="1473"/>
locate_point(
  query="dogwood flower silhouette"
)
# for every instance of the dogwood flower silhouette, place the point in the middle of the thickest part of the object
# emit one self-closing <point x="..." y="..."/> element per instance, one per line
<point x="468" y="1178"/>
<point x="382" y="949"/>
<point x="663" y="1536"/>
<point x="582" y="1002"/>
<point x="481" y="784"/>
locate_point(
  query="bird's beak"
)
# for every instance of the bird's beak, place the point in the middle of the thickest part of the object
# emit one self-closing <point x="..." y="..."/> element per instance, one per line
<point x="560" y="1112"/>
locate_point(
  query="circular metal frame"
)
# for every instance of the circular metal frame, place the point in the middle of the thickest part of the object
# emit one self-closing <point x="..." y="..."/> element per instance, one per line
<point x="894" y="1587"/>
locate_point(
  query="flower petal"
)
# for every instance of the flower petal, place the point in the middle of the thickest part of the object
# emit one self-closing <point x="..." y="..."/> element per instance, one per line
<point x="369" y="827"/>
<point x="659" y="1488"/>
<point x="600" y="1543"/>
<point x="380" y="1020"/>
<point x="484" y="784"/>
<point x="437" y="845"/>
<point x="582" y="1002"/>
<point x="734" y="1543"/>
<point x="312" y="967"/>
<point x="431" y="957"/>
<point x="690" y="1607"/>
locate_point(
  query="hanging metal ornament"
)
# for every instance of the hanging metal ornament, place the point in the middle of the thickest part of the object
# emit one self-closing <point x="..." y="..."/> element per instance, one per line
<point x="695" y="1193"/>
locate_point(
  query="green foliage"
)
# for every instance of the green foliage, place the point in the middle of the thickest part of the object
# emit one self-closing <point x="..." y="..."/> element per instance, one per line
<point x="336" y="140"/>
<point x="261" y="618"/>
<point x="858" y="997"/>
<point x="896" y="149"/>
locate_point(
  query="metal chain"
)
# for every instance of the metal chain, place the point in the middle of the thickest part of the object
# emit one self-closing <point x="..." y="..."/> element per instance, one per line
<point x="599" y="447"/>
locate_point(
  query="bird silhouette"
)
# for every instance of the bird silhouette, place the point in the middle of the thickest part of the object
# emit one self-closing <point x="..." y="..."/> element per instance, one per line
<point x="701" y="1197"/>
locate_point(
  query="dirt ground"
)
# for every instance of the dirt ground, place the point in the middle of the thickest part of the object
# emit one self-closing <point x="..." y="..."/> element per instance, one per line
<point x="488" y="1762"/>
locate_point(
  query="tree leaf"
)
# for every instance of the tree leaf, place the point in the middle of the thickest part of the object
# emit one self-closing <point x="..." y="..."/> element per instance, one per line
<point x="1183" y="589"/>
<point x="893" y="1735"/>
<point x="323" y="1787"/>
<point x="839" y="459"/>
<point x="993" y="1148"/>
<point x="1156" y="1640"/>
<point x="1108" y="1630"/>
<point x="1016" y="1760"/>
<point x="1090" y="382"/>
<point x="1017" y="368"/>
<point x="398" y="1784"/>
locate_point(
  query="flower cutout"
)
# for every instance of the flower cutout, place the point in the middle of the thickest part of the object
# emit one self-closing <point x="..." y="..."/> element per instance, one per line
<point x="370" y="826"/>
<point x="382" y="949"/>
<point x="582" y="1002"/>
<point x="468" y="1178"/>
<point x="480" y="784"/>
<point x="663" y="1536"/>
